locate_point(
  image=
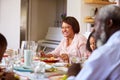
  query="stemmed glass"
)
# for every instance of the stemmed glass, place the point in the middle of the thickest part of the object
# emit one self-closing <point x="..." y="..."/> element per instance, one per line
<point x="74" y="57"/>
<point x="10" y="60"/>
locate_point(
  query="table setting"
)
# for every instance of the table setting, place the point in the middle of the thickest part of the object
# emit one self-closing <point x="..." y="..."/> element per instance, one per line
<point x="27" y="64"/>
<point x="33" y="67"/>
<point x="41" y="70"/>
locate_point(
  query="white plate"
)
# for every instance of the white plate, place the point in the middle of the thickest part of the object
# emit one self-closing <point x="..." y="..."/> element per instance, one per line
<point x="59" y="64"/>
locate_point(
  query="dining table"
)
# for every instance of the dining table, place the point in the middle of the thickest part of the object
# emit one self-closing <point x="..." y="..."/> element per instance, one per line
<point x="56" y="75"/>
<point x="56" y="70"/>
<point x="24" y="73"/>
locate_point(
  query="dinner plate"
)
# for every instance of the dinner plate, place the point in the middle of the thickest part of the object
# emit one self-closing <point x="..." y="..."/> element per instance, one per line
<point x="57" y="77"/>
<point x="59" y="64"/>
<point x="23" y="69"/>
<point x="49" y="60"/>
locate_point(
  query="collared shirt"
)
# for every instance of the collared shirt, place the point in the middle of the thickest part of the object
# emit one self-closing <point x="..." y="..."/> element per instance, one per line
<point x="104" y="63"/>
<point x="76" y="48"/>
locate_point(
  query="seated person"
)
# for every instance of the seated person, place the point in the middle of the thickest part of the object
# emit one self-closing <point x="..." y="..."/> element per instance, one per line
<point x="3" y="74"/>
<point x="74" y="69"/>
<point x="104" y="62"/>
<point x="91" y="43"/>
<point x="73" y="44"/>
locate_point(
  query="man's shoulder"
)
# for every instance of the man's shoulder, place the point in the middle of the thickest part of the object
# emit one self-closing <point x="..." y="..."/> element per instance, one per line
<point x="115" y="36"/>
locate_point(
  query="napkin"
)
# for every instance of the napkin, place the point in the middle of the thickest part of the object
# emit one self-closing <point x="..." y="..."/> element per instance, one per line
<point x="59" y="64"/>
<point x="41" y="67"/>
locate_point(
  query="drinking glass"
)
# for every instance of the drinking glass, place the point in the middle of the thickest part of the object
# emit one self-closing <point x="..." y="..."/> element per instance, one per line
<point x="74" y="59"/>
<point x="31" y="45"/>
<point x="29" y="50"/>
<point x="83" y="58"/>
<point x="10" y="60"/>
<point x="28" y="45"/>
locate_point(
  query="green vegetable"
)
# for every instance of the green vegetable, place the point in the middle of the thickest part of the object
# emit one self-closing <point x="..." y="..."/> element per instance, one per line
<point x="64" y="77"/>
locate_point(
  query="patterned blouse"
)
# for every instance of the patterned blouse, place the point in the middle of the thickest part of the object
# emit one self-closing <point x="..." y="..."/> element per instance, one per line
<point x="76" y="48"/>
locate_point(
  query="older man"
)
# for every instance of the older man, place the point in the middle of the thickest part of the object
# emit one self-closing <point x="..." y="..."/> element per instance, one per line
<point x="104" y="63"/>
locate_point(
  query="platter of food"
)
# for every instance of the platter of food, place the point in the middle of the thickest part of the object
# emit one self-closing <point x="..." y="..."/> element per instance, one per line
<point x="52" y="69"/>
<point x="49" y="60"/>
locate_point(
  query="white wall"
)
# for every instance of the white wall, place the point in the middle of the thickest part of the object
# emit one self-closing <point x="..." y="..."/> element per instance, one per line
<point x="10" y="21"/>
<point x="60" y="9"/>
<point x="43" y="15"/>
<point x="80" y="10"/>
<point x="74" y="9"/>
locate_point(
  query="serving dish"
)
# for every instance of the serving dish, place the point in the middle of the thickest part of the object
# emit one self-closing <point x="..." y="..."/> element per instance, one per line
<point x="49" y="60"/>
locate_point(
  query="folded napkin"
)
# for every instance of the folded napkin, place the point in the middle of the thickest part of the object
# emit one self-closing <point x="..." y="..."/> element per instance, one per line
<point x="41" y="67"/>
<point x="59" y="64"/>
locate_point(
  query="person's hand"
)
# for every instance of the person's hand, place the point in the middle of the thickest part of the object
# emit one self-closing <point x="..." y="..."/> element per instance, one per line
<point x="74" y="69"/>
<point x="49" y="55"/>
<point x="42" y="54"/>
<point x="65" y="57"/>
<point x="8" y="76"/>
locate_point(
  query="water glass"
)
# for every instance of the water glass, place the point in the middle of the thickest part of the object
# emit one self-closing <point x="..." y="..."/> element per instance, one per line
<point x="29" y="45"/>
<point x="28" y="57"/>
<point x="74" y="59"/>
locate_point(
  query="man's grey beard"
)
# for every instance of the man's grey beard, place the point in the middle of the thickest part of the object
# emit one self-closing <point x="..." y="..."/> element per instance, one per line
<point x="102" y="39"/>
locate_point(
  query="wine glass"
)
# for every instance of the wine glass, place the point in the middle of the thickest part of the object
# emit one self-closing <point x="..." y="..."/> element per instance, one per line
<point x="74" y="59"/>
<point x="10" y="60"/>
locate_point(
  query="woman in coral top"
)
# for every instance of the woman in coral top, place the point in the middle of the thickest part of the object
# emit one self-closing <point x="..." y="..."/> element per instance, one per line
<point x="73" y="44"/>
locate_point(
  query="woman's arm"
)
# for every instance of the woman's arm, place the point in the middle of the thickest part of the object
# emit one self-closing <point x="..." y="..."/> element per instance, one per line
<point x="54" y="53"/>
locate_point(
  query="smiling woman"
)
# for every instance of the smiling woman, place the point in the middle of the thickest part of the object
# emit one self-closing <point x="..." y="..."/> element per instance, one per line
<point x="73" y="44"/>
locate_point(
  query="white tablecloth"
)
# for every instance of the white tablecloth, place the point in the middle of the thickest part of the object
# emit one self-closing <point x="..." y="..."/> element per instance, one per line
<point x="31" y="76"/>
<point x="28" y="76"/>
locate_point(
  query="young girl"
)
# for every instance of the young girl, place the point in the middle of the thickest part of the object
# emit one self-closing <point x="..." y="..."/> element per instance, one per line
<point x="91" y="43"/>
